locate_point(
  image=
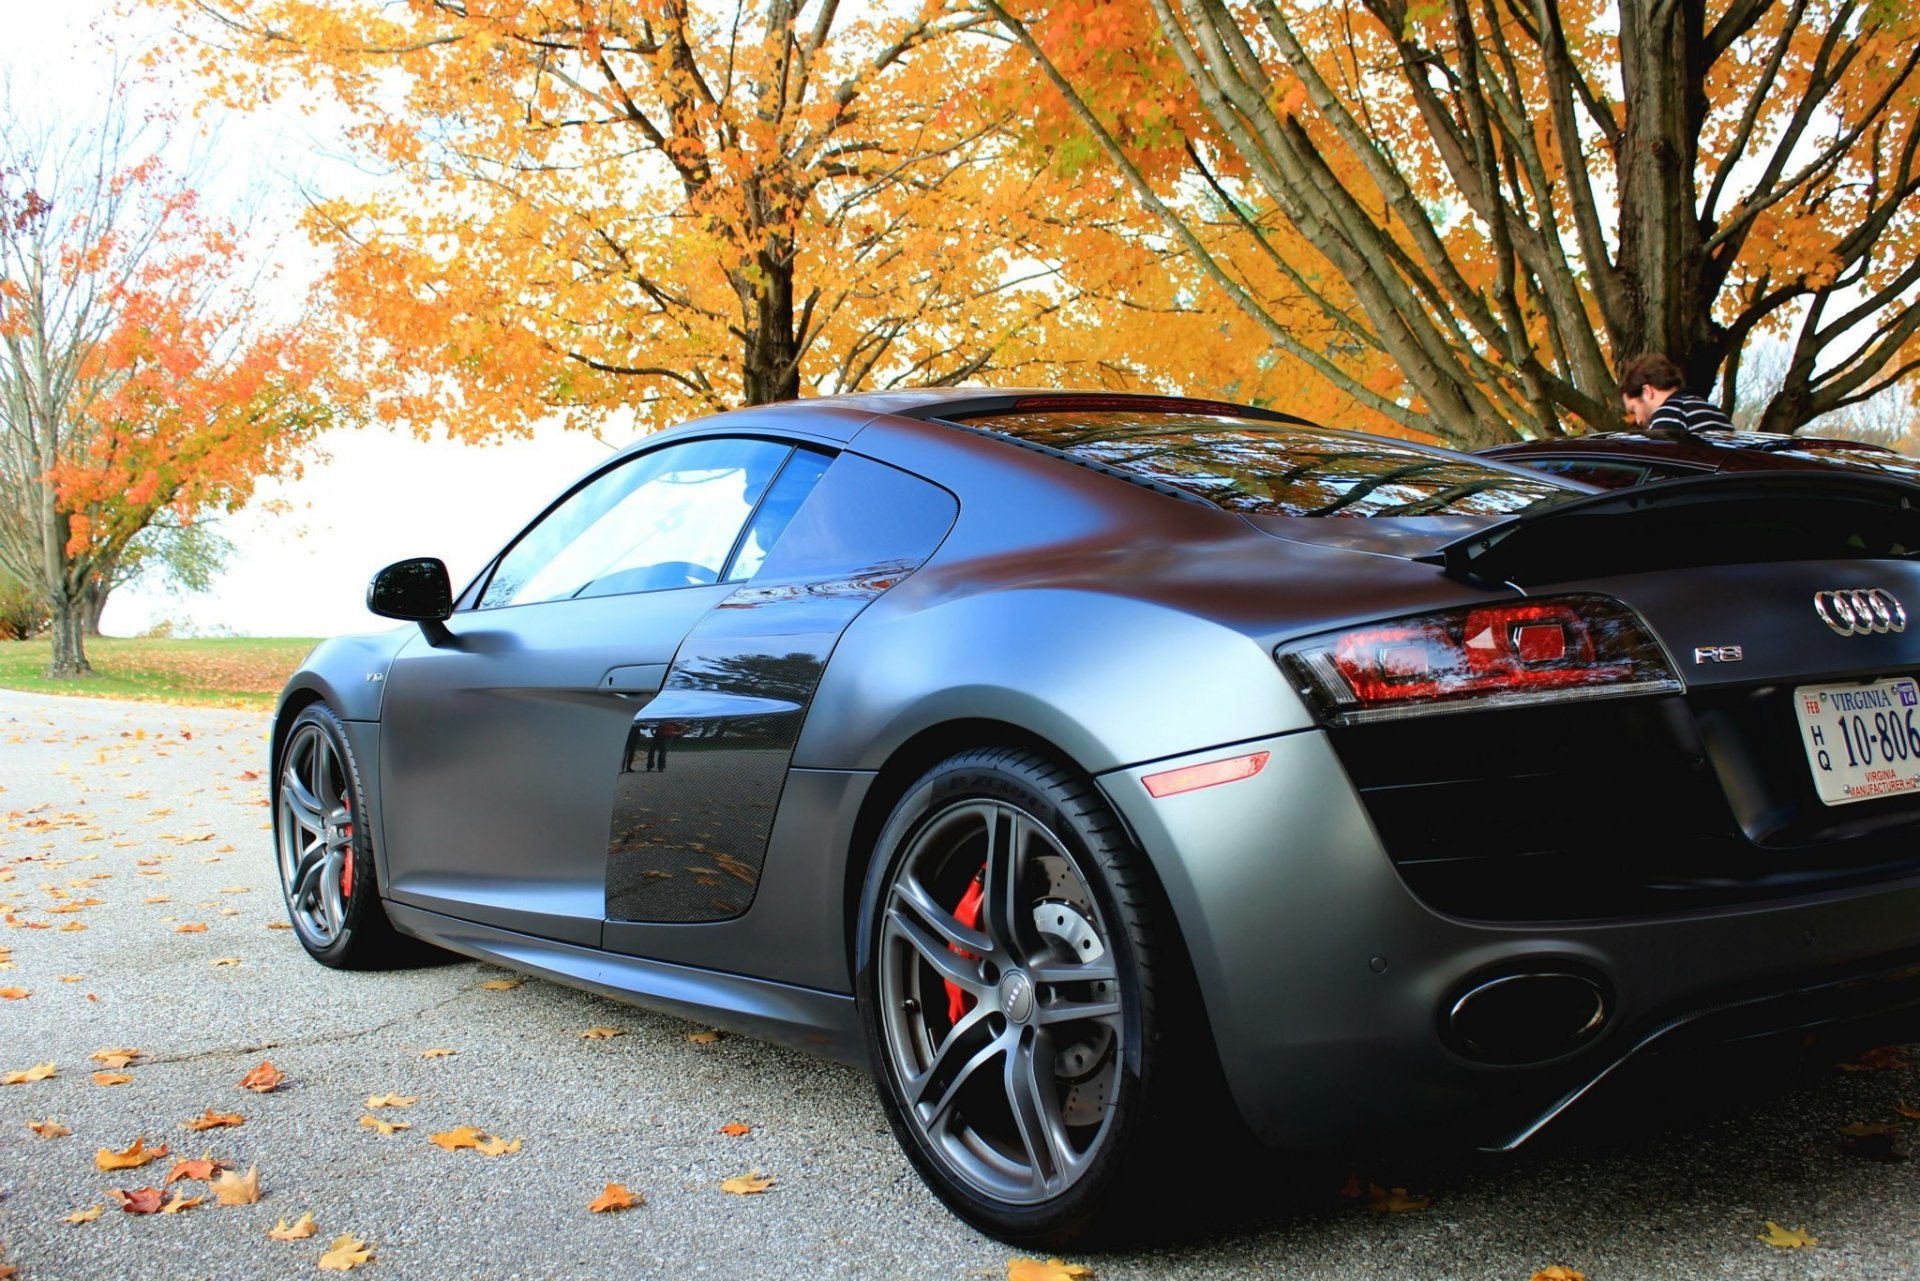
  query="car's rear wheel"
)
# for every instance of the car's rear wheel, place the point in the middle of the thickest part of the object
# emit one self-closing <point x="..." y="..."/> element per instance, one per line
<point x="1006" y="988"/>
<point x="324" y="853"/>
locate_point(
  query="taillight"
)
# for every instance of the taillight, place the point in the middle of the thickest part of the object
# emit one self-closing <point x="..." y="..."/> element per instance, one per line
<point x="1506" y="654"/>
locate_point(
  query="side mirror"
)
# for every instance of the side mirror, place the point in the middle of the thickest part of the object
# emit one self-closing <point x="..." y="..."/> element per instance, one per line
<point x="416" y="590"/>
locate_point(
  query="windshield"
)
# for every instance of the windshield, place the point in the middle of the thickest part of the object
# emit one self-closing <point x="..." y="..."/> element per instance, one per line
<point x="1280" y="469"/>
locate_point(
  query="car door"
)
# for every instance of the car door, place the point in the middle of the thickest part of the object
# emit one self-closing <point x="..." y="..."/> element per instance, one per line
<point x="499" y="743"/>
<point x="691" y="839"/>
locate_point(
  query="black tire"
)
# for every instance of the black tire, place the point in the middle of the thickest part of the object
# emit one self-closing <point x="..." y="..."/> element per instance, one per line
<point x="1032" y="1113"/>
<point x="322" y="848"/>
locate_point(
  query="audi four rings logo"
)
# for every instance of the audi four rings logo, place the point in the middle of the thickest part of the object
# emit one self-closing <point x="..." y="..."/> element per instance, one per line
<point x="1856" y="611"/>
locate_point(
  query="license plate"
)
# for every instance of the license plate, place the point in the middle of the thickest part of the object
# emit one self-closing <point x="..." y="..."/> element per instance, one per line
<point x="1862" y="741"/>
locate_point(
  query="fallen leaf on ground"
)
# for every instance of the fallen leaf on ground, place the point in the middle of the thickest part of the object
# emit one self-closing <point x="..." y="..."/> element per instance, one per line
<point x="49" y="1129"/>
<point x="438" y="1053"/>
<point x="501" y="985"/>
<point x="237" y="1189"/>
<point x="1911" y="1113"/>
<point x="602" y="1033"/>
<point x="38" y="1072"/>
<point x="194" y="928"/>
<point x="1051" y="1270"/>
<point x="14" y="994"/>
<point x="72" y="978"/>
<point x="497" y="1147"/>
<point x="301" y="1228"/>
<point x="1394" y="1200"/>
<point x="111" y="1078"/>
<point x="346" y="1252"/>
<point x="181" y="1201"/>
<point x="747" y="1184"/>
<point x="616" y="1197"/>
<point x="1786" y="1239"/>
<point x="1558" y="1272"/>
<point x="131" y="1159"/>
<point x="386" y="1128"/>
<point x="116" y="1058"/>
<point x="214" y="1120"/>
<point x="1873" y="1140"/>
<point x="226" y="960"/>
<point x="1880" y="1058"/>
<point x="138" y="1200"/>
<point x="233" y="889"/>
<point x="87" y="1215"/>
<point x="201" y="1168"/>
<point x="279" y="925"/>
<point x="264" y="1079"/>
<point x="392" y="1100"/>
<point x="465" y="1136"/>
<point x="703" y="1038"/>
<point x="734" y="1129"/>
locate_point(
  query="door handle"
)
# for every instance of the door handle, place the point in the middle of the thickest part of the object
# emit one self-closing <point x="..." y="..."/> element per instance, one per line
<point x="643" y="679"/>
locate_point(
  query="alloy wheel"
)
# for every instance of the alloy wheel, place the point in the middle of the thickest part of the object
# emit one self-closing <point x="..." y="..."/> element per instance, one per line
<point x="315" y="836"/>
<point x="1000" y="1003"/>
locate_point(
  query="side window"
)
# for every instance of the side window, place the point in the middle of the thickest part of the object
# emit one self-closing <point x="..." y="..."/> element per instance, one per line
<point x="863" y="517"/>
<point x="667" y="518"/>
<point x="790" y="489"/>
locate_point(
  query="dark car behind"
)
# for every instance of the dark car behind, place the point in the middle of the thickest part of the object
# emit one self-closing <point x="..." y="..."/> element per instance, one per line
<point x="1615" y="460"/>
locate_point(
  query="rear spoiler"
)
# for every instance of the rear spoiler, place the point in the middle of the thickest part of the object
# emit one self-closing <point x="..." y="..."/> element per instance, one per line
<point x="1726" y="519"/>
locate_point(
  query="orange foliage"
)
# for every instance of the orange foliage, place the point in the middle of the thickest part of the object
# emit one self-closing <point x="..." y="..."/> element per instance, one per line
<point x="139" y="333"/>
<point x="1466" y="214"/>
<point x="657" y="208"/>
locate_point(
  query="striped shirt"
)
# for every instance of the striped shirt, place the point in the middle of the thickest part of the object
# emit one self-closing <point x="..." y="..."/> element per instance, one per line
<point x="1682" y="413"/>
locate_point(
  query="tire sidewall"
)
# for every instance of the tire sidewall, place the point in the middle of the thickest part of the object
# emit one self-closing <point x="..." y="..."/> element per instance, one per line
<point x="341" y="952"/>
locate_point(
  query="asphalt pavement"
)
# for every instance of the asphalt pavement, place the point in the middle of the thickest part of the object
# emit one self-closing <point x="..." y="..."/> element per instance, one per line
<point x="125" y="826"/>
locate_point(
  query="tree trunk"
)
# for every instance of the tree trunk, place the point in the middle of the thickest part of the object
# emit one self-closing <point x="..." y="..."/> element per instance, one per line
<point x="92" y="605"/>
<point x="770" y="348"/>
<point x="69" y="642"/>
<point x="1660" y="243"/>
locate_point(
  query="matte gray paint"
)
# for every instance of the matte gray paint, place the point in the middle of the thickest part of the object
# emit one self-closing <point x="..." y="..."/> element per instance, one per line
<point x="795" y="930"/>
<point x="1089" y="611"/>
<point x="819" y="1022"/>
<point x="350" y="672"/>
<point x="1284" y="896"/>
<point x="509" y="745"/>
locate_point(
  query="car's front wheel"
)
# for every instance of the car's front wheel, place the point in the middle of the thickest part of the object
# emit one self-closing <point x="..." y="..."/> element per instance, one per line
<point x="1006" y="984"/>
<point x="324" y="853"/>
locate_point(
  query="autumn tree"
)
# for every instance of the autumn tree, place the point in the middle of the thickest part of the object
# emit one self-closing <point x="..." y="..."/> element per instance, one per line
<point x="140" y="385"/>
<point x="1506" y="198"/>
<point x="180" y="555"/>
<point x="663" y="205"/>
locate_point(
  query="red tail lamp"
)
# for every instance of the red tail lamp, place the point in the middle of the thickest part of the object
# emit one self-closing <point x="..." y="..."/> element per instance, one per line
<point x="1510" y="653"/>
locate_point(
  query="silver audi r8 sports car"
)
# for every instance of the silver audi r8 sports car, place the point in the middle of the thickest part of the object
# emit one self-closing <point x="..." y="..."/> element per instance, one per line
<point x="1056" y="755"/>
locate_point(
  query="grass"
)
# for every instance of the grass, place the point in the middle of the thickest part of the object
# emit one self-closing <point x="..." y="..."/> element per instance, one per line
<point x="224" y="671"/>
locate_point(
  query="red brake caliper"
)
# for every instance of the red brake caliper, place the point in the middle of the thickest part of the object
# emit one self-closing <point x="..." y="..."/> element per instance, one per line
<point x="967" y="912"/>
<point x="346" y="869"/>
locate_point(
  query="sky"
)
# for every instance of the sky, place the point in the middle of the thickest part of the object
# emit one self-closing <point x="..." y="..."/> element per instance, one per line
<point x="304" y="550"/>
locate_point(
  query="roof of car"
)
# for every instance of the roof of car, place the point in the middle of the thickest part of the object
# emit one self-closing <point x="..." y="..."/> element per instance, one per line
<point x="972" y="402"/>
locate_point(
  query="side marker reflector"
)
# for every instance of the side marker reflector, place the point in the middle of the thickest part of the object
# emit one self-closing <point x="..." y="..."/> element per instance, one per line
<point x="1192" y="778"/>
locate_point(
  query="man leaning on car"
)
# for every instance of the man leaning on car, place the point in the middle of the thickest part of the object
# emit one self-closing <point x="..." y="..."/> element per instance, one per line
<point x="1651" y="386"/>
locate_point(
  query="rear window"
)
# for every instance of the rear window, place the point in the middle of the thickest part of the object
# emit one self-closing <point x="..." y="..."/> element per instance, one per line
<point x="1278" y="469"/>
